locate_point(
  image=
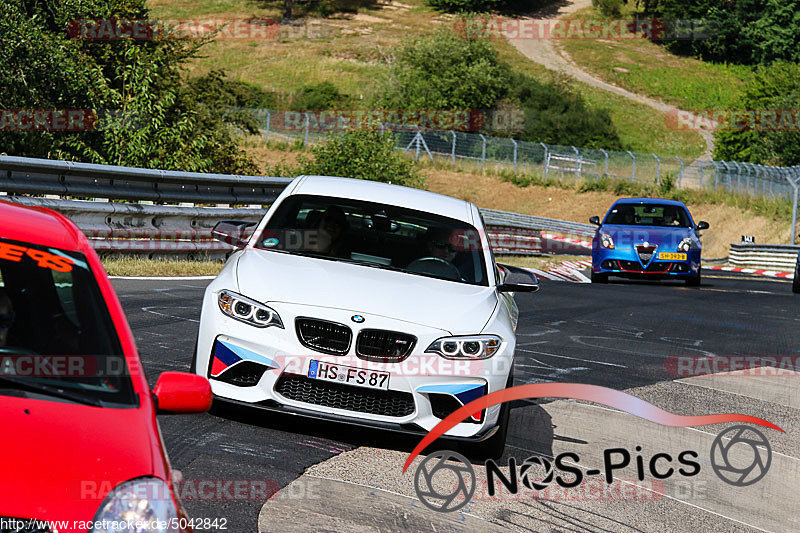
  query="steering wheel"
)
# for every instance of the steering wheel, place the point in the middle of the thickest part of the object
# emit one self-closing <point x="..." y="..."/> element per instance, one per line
<point x="435" y="266"/>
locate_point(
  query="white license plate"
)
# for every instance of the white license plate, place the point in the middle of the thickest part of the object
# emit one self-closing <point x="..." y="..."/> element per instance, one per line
<point x="348" y="375"/>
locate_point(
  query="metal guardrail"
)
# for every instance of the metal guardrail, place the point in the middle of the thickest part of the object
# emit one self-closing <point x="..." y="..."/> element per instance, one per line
<point x="25" y="175"/>
<point x="158" y="231"/>
<point x="781" y="257"/>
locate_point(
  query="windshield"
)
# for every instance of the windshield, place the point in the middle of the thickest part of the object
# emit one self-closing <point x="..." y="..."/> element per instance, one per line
<point x="55" y="330"/>
<point x="647" y="214"/>
<point x="377" y="235"/>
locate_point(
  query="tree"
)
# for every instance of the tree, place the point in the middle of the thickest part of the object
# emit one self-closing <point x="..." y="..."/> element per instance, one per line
<point x="771" y="135"/>
<point x="146" y="115"/>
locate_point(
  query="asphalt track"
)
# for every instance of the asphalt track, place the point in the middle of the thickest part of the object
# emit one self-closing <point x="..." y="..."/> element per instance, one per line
<point x="617" y="335"/>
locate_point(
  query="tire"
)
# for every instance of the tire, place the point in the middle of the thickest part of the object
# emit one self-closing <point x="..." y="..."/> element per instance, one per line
<point x="796" y="280"/>
<point x="494" y="446"/>
<point x="193" y="365"/>
<point x="599" y="278"/>
<point x="694" y="281"/>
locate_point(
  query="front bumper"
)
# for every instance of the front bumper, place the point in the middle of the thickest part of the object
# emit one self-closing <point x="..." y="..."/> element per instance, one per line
<point x="626" y="263"/>
<point x="266" y="359"/>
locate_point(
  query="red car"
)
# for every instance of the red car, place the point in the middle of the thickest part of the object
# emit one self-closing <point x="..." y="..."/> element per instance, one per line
<point x="81" y="448"/>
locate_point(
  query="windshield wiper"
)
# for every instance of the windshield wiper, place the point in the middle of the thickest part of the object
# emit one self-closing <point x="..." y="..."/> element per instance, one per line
<point x="48" y="390"/>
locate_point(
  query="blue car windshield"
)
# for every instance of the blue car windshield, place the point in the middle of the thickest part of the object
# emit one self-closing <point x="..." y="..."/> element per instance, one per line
<point x="647" y="214"/>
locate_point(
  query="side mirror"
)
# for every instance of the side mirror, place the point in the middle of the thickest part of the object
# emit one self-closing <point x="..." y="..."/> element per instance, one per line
<point x="233" y="232"/>
<point x="702" y="225"/>
<point x="518" y="280"/>
<point x="517" y="287"/>
<point x="180" y="392"/>
<point x="594" y="220"/>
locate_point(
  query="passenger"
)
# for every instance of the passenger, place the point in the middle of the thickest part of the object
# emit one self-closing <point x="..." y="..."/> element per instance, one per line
<point x="332" y="227"/>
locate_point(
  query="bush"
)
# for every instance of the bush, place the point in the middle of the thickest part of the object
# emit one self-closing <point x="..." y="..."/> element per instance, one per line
<point x="446" y="71"/>
<point x="363" y="154"/>
<point x="746" y="32"/>
<point x="323" y="95"/>
<point x="774" y="88"/>
<point x="465" y="6"/>
<point x="611" y="8"/>
<point x="554" y="116"/>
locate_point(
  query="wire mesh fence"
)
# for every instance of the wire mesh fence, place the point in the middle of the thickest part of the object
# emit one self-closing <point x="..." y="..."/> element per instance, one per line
<point x="546" y="160"/>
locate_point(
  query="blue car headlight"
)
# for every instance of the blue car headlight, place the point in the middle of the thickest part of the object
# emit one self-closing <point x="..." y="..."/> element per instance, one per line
<point x="606" y="241"/>
<point x="685" y="245"/>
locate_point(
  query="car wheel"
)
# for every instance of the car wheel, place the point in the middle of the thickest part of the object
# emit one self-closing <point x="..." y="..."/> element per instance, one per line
<point x="193" y="365"/>
<point x="494" y="446"/>
<point x="796" y="280"/>
<point x="599" y="278"/>
<point x="694" y="281"/>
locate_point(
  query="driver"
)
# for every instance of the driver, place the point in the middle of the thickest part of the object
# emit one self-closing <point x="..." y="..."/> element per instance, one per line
<point x="437" y="244"/>
<point x="6" y="316"/>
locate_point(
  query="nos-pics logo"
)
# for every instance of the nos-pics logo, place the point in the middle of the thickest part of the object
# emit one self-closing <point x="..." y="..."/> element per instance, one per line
<point x="445" y="481"/>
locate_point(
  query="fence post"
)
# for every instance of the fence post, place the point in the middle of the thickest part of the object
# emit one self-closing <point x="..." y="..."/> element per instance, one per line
<point x="680" y="176"/>
<point x="727" y="174"/>
<point x="515" y="154"/>
<point x="794" y="207"/>
<point x="266" y="136"/>
<point x="658" y="168"/>
<point x="305" y="137"/>
<point x="605" y="163"/>
<point x="383" y="132"/>
<point x="701" y="164"/>
<point x="716" y="174"/>
<point x="416" y="145"/>
<point x="738" y="175"/>
<point x="544" y="161"/>
<point x="483" y="153"/>
<point x="453" y="149"/>
<point x="633" y="167"/>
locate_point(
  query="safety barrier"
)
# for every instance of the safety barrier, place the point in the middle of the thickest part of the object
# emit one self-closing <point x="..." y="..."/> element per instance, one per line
<point x="781" y="257"/>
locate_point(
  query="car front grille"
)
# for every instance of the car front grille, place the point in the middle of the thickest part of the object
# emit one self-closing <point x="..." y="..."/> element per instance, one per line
<point x="323" y="336"/>
<point x="384" y="346"/>
<point x="347" y="397"/>
<point x="22" y="525"/>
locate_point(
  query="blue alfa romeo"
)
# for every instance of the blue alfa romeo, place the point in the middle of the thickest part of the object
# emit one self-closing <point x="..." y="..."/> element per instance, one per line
<point x="647" y="238"/>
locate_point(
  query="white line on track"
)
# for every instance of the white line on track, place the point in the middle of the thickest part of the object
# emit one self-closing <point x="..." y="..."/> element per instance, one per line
<point x="150" y="310"/>
<point x="573" y="358"/>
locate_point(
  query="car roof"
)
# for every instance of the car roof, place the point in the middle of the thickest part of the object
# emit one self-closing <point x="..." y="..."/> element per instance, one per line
<point x="373" y="191"/>
<point x="37" y="225"/>
<point x="649" y="200"/>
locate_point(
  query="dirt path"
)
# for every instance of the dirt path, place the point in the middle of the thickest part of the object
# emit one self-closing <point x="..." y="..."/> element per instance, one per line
<point x="547" y="52"/>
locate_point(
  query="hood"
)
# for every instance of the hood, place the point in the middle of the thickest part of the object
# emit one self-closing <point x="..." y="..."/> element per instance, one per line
<point x="458" y="308"/>
<point x="61" y="459"/>
<point x="666" y="238"/>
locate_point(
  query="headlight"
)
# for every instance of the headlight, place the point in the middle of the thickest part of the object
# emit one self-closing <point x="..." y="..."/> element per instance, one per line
<point x="606" y="241"/>
<point x="472" y="347"/>
<point x="140" y="505"/>
<point x="248" y="311"/>
<point x="685" y="245"/>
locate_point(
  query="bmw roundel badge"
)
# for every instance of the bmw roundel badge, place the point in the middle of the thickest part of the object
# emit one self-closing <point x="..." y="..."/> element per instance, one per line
<point x="358" y="319"/>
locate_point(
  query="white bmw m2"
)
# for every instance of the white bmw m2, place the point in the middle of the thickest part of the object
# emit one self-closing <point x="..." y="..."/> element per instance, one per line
<point x="364" y="303"/>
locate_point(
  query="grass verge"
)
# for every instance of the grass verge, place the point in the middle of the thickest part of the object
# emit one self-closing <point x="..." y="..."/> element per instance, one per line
<point x="644" y="67"/>
<point x="137" y="266"/>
